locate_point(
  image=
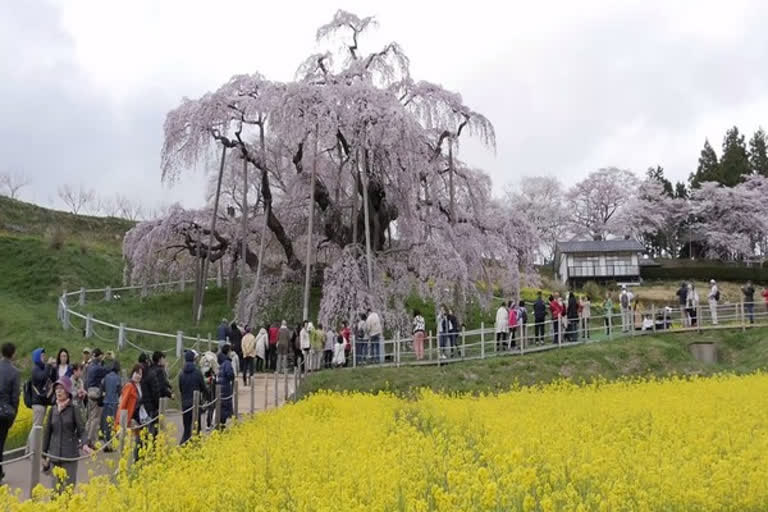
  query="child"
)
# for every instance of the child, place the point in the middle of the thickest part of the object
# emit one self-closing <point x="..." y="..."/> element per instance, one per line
<point x="339" y="356"/>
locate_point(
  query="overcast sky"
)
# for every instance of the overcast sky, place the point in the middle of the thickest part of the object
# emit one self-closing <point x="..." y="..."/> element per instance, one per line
<point x="570" y="86"/>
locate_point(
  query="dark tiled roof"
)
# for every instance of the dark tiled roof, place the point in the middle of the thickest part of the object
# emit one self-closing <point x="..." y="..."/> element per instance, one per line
<point x="601" y="246"/>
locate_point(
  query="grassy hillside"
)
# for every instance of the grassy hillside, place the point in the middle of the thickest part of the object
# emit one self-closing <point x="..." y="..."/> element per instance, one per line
<point x="20" y="218"/>
<point x="648" y="355"/>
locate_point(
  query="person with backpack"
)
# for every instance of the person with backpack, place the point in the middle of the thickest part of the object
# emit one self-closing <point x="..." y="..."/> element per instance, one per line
<point x="113" y="385"/>
<point x="226" y="379"/>
<point x="625" y="301"/>
<point x="190" y="380"/>
<point x="131" y="402"/>
<point x="94" y="375"/>
<point x="374" y="329"/>
<point x="262" y="347"/>
<point x="9" y="396"/>
<point x="38" y="390"/>
<point x="714" y="298"/>
<point x="522" y="321"/>
<point x="749" y="301"/>
<point x="539" y="318"/>
<point x="361" y="344"/>
<point x="209" y="366"/>
<point x="157" y="387"/>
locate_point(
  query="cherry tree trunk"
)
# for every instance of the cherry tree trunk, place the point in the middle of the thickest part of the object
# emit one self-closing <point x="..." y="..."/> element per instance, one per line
<point x="244" y="236"/>
<point x="307" y="276"/>
<point x="366" y="215"/>
<point x="207" y="260"/>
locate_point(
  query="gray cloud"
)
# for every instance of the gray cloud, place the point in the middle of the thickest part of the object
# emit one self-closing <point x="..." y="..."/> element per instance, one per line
<point x="630" y="86"/>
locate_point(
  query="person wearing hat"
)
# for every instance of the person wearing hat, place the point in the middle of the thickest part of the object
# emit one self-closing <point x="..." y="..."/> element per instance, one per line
<point x="86" y="357"/>
<point x="714" y="298"/>
<point x="64" y="434"/>
<point x="190" y="380"/>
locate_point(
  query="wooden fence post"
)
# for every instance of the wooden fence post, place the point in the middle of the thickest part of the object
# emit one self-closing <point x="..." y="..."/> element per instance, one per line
<point x="36" y="448"/>
<point x="108" y="293"/>
<point x="277" y="398"/>
<point x="482" y="340"/>
<point x="235" y="399"/>
<point x="560" y="329"/>
<point x="266" y="391"/>
<point x="88" y="325"/>
<point x="123" y="432"/>
<point x="179" y="344"/>
<point x="163" y="407"/>
<point x="82" y="296"/>
<point x="397" y="349"/>
<point x="653" y="317"/>
<point x="121" y="337"/>
<point x="463" y="342"/>
<point x="285" y="383"/>
<point x="354" y="351"/>
<point x="610" y="325"/>
<point x="430" y="345"/>
<point x="217" y="421"/>
<point x="743" y="317"/>
<point x="195" y="410"/>
<point x="253" y="396"/>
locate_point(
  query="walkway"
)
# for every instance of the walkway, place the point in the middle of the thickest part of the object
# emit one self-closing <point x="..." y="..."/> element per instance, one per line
<point x="18" y="473"/>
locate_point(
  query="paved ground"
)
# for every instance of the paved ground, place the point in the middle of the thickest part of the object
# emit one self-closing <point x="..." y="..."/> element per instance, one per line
<point x="18" y="473"/>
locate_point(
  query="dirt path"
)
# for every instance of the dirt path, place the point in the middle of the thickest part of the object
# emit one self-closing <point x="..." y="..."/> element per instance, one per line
<point x="17" y="474"/>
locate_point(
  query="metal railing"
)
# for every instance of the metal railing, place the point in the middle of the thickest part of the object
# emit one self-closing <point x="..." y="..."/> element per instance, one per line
<point x="603" y="270"/>
<point x="33" y="450"/>
<point x="487" y="342"/>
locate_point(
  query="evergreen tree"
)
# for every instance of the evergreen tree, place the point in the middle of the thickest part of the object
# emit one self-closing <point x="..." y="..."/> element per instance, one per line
<point x="734" y="164"/>
<point x="708" y="166"/>
<point x="657" y="174"/>
<point x="758" y="156"/>
<point x="681" y="191"/>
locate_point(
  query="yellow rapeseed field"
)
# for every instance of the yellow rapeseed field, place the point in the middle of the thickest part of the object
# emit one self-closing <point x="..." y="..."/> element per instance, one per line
<point x="675" y="444"/>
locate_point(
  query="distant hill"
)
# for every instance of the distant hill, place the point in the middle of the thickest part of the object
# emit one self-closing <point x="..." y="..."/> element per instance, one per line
<point x="20" y="218"/>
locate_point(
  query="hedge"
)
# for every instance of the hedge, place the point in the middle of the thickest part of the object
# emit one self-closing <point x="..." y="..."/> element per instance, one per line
<point x="705" y="273"/>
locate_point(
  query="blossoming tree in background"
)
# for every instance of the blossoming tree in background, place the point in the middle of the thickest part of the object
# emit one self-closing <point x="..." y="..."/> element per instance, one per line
<point x="367" y="152"/>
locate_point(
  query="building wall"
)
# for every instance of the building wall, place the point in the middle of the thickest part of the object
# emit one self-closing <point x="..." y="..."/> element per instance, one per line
<point x="605" y="265"/>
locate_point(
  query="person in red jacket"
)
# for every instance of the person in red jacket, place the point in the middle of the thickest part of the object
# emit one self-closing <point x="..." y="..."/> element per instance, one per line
<point x="765" y="297"/>
<point x="345" y="333"/>
<point x="274" y="331"/>
<point x="556" y="310"/>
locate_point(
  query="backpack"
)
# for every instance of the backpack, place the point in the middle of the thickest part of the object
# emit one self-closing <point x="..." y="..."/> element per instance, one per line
<point x="522" y="316"/>
<point x="624" y="300"/>
<point x="717" y="295"/>
<point x="27" y="394"/>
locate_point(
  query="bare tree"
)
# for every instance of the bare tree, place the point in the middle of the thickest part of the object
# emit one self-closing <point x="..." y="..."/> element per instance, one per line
<point x="77" y="199"/>
<point x="108" y="206"/>
<point x="128" y="208"/>
<point x="11" y="183"/>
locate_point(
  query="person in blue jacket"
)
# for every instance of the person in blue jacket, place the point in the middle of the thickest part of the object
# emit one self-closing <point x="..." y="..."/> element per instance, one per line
<point x="42" y="386"/>
<point x="113" y="387"/>
<point x="226" y="380"/>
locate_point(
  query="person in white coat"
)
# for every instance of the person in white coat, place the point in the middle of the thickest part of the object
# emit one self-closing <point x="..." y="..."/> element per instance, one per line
<point x="714" y="297"/>
<point x="502" y="327"/>
<point x="304" y="343"/>
<point x="262" y="343"/>
<point x="339" y="358"/>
